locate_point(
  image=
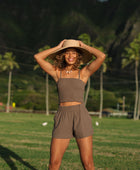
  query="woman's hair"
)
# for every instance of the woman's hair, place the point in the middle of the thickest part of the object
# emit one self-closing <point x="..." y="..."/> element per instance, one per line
<point x="61" y="63"/>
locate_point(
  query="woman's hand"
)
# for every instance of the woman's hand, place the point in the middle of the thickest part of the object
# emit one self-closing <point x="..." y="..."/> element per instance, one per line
<point x="60" y="45"/>
<point x="82" y="44"/>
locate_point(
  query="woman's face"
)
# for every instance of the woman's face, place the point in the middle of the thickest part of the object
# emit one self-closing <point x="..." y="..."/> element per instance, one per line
<point x="70" y="56"/>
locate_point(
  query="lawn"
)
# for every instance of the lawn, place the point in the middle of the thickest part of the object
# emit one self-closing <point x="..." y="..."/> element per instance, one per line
<point x="25" y="143"/>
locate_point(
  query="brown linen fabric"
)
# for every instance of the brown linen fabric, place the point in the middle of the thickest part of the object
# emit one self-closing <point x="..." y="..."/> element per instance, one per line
<point x="72" y="121"/>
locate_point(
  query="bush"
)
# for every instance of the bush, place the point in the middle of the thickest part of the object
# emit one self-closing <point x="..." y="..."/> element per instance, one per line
<point x="93" y="103"/>
<point x="28" y="100"/>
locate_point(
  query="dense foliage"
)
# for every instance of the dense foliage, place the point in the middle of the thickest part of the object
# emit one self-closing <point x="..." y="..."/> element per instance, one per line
<point x="27" y="26"/>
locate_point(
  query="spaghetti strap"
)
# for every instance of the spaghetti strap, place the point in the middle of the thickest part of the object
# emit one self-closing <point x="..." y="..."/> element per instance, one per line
<point x="79" y="74"/>
<point x="60" y="73"/>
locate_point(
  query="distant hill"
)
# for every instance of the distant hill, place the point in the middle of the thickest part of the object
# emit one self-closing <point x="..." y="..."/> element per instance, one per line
<point x="27" y="25"/>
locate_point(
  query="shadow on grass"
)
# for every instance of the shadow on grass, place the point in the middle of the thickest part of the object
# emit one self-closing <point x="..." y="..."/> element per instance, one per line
<point x="7" y="154"/>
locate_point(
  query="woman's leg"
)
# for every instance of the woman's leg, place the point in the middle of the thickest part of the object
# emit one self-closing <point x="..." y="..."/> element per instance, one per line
<point x="58" y="147"/>
<point x="85" y="148"/>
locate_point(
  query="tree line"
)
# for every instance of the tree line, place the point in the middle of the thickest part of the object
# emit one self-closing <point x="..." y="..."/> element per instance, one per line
<point x="131" y="55"/>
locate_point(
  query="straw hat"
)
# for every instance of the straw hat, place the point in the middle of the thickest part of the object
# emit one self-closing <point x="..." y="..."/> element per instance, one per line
<point x="86" y="55"/>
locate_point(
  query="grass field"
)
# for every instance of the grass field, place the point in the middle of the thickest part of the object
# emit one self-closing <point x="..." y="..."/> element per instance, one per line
<point x="25" y="143"/>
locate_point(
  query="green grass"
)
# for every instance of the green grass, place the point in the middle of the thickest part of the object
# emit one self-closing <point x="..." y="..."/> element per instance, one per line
<point x="25" y="143"/>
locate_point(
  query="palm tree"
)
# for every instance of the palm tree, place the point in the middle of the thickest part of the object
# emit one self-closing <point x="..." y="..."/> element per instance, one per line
<point x="132" y="56"/>
<point x="86" y="39"/>
<point x="102" y="70"/>
<point x="47" y="81"/>
<point x="8" y="64"/>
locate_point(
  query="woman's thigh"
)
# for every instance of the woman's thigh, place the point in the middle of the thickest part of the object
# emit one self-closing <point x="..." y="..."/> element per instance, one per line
<point x="58" y="147"/>
<point x="85" y="148"/>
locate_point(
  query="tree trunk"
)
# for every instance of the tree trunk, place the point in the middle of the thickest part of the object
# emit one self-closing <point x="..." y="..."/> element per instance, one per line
<point x="47" y="94"/>
<point x="137" y="88"/>
<point x="101" y="93"/>
<point x="123" y="103"/>
<point x="87" y="91"/>
<point x="9" y="92"/>
<point x="138" y="115"/>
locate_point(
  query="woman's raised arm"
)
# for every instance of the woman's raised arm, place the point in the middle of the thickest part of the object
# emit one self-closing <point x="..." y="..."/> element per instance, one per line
<point x="46" y="66"/>
<point x="94" y="65"/>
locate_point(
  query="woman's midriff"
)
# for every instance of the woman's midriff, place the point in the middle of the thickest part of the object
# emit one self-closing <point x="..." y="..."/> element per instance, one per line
<point x="69" y="103"/>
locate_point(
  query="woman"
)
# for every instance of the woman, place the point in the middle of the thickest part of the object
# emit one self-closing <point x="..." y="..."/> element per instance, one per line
<point x="72" y="118"/>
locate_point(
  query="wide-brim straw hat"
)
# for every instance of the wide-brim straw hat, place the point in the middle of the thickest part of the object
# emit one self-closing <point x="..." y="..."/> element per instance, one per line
<point x="86" y="55"/>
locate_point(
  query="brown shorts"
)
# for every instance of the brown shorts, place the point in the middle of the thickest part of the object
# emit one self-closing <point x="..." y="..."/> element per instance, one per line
<point x="72" y="121"/>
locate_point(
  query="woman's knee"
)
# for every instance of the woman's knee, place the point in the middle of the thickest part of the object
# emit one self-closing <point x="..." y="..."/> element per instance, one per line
<point x="88" y="163"/>
<point x="54" y="163"/>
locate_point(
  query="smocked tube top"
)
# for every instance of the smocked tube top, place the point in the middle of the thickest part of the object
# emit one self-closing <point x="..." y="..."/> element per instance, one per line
<point x="70" y="90"/>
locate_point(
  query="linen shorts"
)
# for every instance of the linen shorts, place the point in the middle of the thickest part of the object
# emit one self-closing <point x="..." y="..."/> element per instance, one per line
<point x="72" y="121"/>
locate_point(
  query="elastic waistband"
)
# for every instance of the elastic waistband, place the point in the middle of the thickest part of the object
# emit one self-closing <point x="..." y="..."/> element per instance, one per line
<point x="70" y="108"/>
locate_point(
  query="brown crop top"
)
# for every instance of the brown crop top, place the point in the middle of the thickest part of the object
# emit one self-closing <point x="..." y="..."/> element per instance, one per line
<point x="70" y="89"/>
